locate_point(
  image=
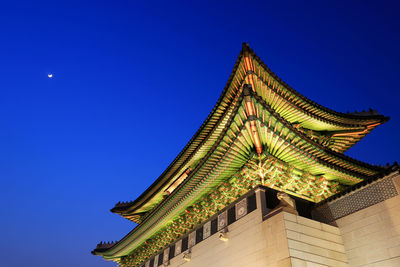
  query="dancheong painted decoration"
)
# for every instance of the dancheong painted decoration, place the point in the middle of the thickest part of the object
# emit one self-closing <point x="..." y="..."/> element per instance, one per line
<point x="261" y="132"/>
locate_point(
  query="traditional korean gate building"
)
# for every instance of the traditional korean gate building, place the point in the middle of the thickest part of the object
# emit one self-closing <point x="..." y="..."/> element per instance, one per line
<point x="264" y="182"/>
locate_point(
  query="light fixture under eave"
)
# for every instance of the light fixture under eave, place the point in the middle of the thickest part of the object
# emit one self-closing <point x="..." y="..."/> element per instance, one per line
<point x="187" y="256"/>
<point x="223" y="235"/>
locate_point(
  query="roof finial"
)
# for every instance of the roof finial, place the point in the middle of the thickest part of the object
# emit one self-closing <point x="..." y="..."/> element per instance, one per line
<point x="245" y="46"/>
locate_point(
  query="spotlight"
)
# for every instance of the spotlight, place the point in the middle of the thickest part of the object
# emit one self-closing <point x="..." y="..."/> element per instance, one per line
<point x="223" y="235"/>
<point x="187" y="256"/>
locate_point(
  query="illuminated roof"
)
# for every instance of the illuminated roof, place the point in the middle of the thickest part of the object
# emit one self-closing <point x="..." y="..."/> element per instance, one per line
<point x="329" y="131"/>
<point x="256" y="114"/>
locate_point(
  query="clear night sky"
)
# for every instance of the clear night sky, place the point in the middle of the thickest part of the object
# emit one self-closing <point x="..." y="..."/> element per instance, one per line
<point x="134" y="80"/>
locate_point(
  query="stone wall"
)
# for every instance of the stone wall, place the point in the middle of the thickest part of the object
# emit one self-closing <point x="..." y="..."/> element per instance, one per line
<point x="369" y="236"/>
<point x="372" y="235"/>
<point x="282" y="240"/>
<point x="312" y="243"/>
<point x="247" y="245"/>
<point x="277" y="239"/>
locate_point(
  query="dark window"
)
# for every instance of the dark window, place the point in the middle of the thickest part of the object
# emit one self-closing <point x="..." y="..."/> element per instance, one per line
<point x="160" y="259"/>
<point x="152" y="262"/>
<point x="272" y="200"/>
<point x="171" y="251"/>
<point x="214" y="226"/>
<point x="304" y="207"/>
<point x="185" y="243"/>
<point x="251" y="203"/>
<point x="231" y="215"/>
<point x="199" y="235"/>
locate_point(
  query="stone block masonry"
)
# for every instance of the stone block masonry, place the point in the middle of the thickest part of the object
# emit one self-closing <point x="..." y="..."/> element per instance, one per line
<point x="372" y="235"/>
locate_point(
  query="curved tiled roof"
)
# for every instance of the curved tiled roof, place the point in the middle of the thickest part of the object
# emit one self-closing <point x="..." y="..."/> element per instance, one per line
<point x="134" y="209"/>
<point x="213" y="141"/>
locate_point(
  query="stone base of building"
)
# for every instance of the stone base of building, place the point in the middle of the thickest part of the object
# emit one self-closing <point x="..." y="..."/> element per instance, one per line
<point x="281" y="240"/>
<point x="367" y="234"/>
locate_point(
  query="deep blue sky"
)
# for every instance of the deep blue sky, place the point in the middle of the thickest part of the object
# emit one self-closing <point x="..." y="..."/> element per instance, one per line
<point x="134" y="80"/>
